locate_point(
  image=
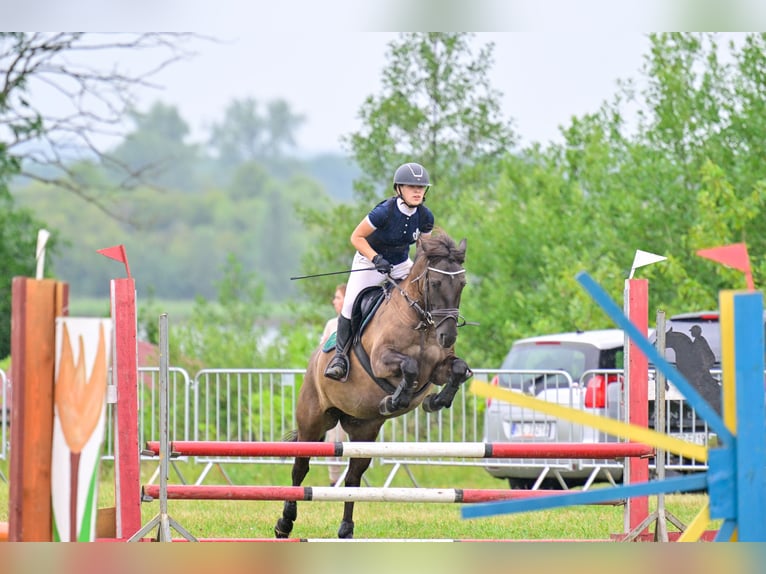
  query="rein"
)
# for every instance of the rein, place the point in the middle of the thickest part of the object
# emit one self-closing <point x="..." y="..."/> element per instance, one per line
<point x="427" y="315"/>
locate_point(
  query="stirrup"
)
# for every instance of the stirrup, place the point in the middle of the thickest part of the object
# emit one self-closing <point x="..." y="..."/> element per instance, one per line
<point x="337" y="369"/>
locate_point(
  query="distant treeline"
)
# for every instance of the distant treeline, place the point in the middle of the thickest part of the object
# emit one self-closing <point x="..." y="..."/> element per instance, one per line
<point x="192" y="208"/>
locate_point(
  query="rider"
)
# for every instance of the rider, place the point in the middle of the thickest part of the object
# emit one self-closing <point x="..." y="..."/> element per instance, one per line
<point x="382" y="241"/>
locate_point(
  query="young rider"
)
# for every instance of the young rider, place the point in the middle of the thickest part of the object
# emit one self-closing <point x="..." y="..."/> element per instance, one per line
<point x="382" y="241"/>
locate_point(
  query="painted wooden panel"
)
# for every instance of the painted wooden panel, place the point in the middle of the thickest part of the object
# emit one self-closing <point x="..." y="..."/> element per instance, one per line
<point x="83" y="350"/>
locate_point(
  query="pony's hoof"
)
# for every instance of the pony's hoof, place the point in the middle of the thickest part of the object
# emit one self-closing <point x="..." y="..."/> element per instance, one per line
<point x="346" y="530"/>
<point x="283" y="528"/>
<point x="461" y="371"/>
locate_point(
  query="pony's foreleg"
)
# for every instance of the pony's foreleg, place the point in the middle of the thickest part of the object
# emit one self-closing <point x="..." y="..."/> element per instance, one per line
<point x="403" y="393"/>
<point x="290" y="510"/>
<point x="458" y="372"/>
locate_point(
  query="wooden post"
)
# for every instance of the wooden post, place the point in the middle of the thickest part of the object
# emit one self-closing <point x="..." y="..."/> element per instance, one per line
<point x="35" y="305"/>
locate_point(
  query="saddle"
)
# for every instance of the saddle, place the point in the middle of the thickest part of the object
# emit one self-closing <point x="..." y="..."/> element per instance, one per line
<point x="367" y="302"/>
<point x="365" y="305"/>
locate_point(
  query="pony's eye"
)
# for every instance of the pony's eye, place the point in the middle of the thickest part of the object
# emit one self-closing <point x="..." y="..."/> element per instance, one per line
<point x="436" y="284"/>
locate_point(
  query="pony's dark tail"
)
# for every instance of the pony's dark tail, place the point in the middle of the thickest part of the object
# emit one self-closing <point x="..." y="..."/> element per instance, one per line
<point x="290" y="436"/>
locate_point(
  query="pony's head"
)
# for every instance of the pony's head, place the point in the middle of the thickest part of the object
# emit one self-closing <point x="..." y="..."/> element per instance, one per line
<point x="440" y="277"/>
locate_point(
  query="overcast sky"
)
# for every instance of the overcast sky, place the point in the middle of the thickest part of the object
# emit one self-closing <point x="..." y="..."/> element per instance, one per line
<point x="545" y="78"/>
<point x="555" y="59"/>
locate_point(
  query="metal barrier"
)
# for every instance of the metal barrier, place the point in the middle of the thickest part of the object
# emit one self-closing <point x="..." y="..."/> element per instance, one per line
<point x="244" y="405"/>
<point x="681" y="422"/>
<point x="148" y="408"/>
<point x="259" y="405"/>
<point x="181" y="416"/>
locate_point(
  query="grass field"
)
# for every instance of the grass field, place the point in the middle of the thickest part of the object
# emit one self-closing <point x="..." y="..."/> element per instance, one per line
<point x="373" y="520"/>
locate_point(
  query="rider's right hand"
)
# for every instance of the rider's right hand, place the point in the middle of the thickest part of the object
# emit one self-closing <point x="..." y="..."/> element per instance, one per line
<point x="381" y="264"/>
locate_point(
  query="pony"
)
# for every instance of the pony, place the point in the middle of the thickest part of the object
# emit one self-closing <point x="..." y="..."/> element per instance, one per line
<point x="400" y="352"/>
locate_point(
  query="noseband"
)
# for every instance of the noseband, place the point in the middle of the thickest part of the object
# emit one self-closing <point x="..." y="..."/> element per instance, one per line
<point x="428" y="315"/>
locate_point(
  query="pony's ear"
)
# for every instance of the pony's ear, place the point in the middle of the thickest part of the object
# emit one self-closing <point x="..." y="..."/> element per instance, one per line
<point x="459" y="252"/>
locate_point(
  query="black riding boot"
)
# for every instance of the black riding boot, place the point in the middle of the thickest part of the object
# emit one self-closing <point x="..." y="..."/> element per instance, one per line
<point x="338" y="367"/>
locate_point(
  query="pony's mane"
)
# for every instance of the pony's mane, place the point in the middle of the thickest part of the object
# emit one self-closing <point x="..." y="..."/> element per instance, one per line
<point x="436" y="246"/>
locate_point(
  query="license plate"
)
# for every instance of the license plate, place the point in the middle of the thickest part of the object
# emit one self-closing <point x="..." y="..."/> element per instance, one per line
<point x="692" y="437"/>
<point x="530" y="430"/>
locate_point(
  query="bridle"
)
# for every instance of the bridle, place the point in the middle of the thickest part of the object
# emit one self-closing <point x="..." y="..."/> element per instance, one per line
<point x="429" y="317"/>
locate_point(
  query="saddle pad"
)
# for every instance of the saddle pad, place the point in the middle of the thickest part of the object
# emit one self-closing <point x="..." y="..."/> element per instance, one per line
<point x="329" y="344"/>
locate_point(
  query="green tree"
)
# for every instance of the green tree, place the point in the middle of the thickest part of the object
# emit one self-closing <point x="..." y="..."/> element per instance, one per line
<point x="239" y="137"/>
<point x="245" y="134"/>
<point x="679" y="181"/>
<point x="437" y="107"/>
<point x="156" y="150"/>
<point x="18" y="239"/>
<point x="226" y="332"/>
<point x="281" y="124"/>
<point x="699" y="182"/>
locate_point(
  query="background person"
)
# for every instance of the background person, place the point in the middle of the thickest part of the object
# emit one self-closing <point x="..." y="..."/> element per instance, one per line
<point x="337" y="302"/>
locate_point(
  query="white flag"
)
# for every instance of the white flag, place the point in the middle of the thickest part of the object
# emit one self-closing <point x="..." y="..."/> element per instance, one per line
<point x="644" y="258"/>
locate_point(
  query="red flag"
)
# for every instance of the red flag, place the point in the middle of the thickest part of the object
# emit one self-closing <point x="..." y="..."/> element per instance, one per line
<point x="118" y="254"/>
<point x="734" y="256"/>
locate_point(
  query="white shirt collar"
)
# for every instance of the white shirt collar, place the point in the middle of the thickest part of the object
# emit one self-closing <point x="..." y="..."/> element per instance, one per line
<point x="404" y="208"/>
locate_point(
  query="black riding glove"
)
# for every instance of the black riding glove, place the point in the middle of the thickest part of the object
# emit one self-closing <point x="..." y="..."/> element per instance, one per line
<point x="382" y="265"/>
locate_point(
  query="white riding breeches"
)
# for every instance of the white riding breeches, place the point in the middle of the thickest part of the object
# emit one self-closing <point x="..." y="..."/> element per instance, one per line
<point x="359" y="280"/>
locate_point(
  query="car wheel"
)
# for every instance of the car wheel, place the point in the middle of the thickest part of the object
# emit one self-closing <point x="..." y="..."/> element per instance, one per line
<point x="551" y="484"/>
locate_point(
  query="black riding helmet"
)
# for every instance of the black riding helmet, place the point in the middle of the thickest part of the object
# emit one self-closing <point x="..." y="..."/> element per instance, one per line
<point x="411" y="173"/>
